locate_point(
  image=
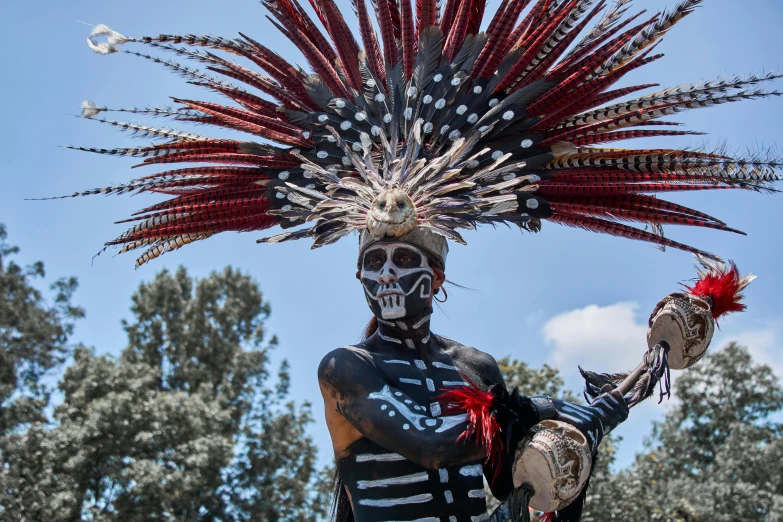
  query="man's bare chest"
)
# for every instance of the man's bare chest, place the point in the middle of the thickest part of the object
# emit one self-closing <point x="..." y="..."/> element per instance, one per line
<point x="421" y="379"/>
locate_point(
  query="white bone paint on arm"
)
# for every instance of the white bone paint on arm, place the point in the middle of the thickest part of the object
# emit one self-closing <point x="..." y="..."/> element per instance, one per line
<point x="419" y="421"/>
<point x="383" y="414"/>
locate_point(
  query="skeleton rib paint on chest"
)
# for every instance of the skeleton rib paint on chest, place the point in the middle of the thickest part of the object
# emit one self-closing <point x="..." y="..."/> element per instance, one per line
<point x="430" y="375"/>
<point x="399" y="490"/>
<point x="385" y="485"/>
<point x="397" y="280"/>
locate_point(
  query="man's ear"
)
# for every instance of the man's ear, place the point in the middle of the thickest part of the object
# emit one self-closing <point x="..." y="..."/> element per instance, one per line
<point x="439" y="278"/>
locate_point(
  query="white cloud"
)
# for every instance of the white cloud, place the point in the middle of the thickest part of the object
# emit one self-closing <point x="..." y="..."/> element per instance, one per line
<point x="599" y="338"/>
<point x="612" y="338"/>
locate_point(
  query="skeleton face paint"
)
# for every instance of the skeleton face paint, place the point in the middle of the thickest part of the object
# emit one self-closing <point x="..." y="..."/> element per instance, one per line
<point x="397" y="280"/>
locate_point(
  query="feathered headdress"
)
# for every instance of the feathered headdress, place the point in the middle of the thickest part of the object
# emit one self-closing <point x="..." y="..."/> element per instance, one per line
<point x="428" y="122"/>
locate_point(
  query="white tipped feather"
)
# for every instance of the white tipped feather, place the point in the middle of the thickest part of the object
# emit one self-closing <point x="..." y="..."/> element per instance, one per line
<point x="113" y="39"/>
<point x="563" y="148"/>
<point x="90" y="110"/>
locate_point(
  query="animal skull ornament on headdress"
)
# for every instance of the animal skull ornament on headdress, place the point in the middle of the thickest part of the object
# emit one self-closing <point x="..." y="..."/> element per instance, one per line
<point x="392" y="213"/>
<point x="432" y="124"/>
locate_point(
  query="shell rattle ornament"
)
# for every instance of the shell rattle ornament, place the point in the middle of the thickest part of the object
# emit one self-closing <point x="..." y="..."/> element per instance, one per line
<point x="686" y="321"/>
<point x="553" y="461"/>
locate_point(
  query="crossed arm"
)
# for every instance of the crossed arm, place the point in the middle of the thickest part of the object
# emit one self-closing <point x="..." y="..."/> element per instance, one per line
<point x="360" y="393"/>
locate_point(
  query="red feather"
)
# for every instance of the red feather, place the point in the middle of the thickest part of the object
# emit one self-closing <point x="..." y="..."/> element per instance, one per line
<point x="344" y="41"/>
<point x="527" y="30"/>
<point x="618" y="229"/>
<point x="722" y="286"/>
<point x="386" y="27"/>
<point x="576" y="57"/>
<point x="586" y="103"/>
<point x="482" y="423"/>
<point x="541" y="35"/>
<point x="283" y="72"/>
<point x="203" y="207"/>
<point x="228" y="159"/>
<point x="495" y="49"/>
<point x="476" y="15"/>
<point x="288" y="73"/>
<point x="457" y="30"/>
<point x="408" y="38"/>
<point x="318" y="61"/>
<point x="264" y="85"/>
<point x="449" y="13"/>
<point x="593" y="139"/>
<point x="578" y="74"/>
<point x="207" y="196"/>
<point x="305" y="24"/>
<point x="394" y="11"/>
<point x="426" y="15"/>
<point x="371" y="47"/>
<point x="542" y="67"/>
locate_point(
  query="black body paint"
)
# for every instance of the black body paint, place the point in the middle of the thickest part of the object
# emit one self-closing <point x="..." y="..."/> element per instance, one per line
<point x="409" y="465"/>
<point x="595" y="420"/>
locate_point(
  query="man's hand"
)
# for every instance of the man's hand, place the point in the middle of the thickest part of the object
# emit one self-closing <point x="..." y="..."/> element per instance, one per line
<point x="596" y="420"/>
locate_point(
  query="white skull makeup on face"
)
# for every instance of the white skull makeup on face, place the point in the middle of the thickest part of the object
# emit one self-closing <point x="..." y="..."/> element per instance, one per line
<point x="397" y="280"/>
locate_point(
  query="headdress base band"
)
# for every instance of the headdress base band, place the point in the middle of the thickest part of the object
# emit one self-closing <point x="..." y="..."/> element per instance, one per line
<point x="434" y="244"/>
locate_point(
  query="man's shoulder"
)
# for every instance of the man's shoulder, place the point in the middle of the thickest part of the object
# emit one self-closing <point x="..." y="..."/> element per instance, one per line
<point x="459" y="351"/>
<point x="470" y="357"/>
<point x="344" y="358"/>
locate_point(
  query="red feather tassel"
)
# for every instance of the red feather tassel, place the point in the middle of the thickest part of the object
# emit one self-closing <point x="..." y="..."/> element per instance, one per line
<point x="722" y="286"/>
<point x="483" y="426"/>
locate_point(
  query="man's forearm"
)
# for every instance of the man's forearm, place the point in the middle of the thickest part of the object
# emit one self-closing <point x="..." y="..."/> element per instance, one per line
<point x="420" y="433"/>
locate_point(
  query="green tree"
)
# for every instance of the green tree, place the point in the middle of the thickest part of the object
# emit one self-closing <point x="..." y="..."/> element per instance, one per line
<point x="543" y="381"/>
<point x="715" y="457"/>
<point x="182" y="426"/>
<point x="34" y="335"/>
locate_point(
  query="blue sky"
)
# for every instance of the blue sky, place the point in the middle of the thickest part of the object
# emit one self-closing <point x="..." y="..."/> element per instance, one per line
<point x="563" y="296"/>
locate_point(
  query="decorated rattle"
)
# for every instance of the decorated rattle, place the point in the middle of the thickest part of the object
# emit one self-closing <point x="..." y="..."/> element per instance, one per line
<point x="553" y="462"/>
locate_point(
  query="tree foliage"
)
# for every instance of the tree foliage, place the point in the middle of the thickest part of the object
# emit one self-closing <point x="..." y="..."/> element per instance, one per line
<point x="715" y="457"/>
<point x="34" y="335"/>
<point x="189" y="424"/>
<point x="183" y="425"/>
<point x="531" y="381"/>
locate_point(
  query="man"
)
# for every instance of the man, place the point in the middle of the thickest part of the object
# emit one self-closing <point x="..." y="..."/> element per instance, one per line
<point x="396" y="448"/>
